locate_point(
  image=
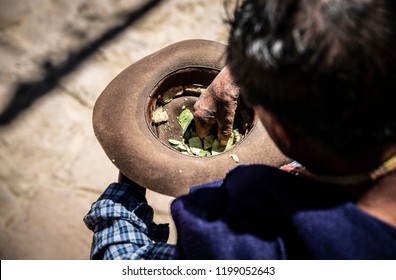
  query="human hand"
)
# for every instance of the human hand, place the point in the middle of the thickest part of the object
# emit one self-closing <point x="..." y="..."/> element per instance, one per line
<point x="125" y="180"/>
<point x="217" y="104"/>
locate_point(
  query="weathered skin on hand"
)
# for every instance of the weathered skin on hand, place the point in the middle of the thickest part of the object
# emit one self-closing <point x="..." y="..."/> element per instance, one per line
<point x="217" y="104"/>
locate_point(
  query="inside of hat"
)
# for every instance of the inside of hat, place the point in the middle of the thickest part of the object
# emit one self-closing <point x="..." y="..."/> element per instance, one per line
<point x="178" y="91"/>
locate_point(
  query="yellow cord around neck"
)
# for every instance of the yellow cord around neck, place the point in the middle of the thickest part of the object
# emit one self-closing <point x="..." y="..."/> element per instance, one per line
<point x="384" y="169"/>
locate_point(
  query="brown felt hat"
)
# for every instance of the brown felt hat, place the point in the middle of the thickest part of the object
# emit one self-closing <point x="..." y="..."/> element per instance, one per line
<point x="122" y="120"/>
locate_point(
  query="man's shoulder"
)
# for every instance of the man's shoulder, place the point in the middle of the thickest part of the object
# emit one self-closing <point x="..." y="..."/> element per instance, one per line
<point x="265" y="208"/>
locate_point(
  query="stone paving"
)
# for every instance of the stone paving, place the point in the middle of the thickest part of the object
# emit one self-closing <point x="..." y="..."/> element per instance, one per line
<point x="56" y="57"/>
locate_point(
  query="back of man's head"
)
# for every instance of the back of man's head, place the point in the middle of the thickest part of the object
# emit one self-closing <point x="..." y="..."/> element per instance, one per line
<point x="327" y="68"/>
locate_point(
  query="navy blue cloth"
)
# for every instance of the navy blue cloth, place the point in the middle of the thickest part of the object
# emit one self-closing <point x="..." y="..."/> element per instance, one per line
<point x="259" y="212"/>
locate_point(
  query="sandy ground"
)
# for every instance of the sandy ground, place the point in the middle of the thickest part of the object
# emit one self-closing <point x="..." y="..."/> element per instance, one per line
<point x="56" y="57"/>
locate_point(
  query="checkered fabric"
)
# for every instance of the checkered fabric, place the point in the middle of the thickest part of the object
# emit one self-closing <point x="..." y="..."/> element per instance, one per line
<point x="123" y="226"/>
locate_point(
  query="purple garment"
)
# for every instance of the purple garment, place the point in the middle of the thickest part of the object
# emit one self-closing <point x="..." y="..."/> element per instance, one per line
<point x="259" y="212"/>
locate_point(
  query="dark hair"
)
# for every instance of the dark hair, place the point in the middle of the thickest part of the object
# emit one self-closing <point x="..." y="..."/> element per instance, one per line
<point x="325" y="68"/>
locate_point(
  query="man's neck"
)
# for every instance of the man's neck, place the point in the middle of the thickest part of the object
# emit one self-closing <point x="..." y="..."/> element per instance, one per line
<point x="377" y="197"/>
<point x="380" y="199"/>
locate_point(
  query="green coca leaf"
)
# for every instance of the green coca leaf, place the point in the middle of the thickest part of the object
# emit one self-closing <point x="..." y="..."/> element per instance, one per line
<point x="185" y="119"/>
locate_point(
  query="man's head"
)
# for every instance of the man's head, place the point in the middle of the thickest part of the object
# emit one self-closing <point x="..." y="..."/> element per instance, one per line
<point x="325" y="68"/>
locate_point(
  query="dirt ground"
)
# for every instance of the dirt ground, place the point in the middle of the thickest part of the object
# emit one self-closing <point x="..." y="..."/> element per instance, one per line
<point x="56" y="57"/>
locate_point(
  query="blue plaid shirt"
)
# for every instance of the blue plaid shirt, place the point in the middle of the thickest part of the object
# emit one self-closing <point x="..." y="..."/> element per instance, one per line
<point x="123" y="226"/>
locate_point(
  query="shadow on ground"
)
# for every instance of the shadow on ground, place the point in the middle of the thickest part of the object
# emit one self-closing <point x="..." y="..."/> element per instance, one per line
<point x="27" y="93"/>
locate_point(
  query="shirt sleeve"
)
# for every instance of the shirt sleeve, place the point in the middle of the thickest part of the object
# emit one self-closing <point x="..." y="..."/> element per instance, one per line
<point x="123" y="226"/>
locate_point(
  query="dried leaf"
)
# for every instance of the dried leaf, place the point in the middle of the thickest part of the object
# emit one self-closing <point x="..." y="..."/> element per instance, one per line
<point x="208" y="141"/>
<point x="171" y="93"/>
<point x="229" y="142"/>
<point x="217" y="148"/>
<point x="203" y="153"/>
<point x="159" y="116"/>
<point x="174" y="142"/>
<point x="187" y="136"/>
<point x="237" y="136"/>
<point x="189" y="151"/>
<point x="185" y="119"/>
<point x="235" y="158"/>
<point x="233" y="140"/>
<point x="181" y="147"/>
<point x="195" y="145"/>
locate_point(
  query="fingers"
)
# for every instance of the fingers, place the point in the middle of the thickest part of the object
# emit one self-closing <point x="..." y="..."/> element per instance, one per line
<point x="203" y="124"/>
<point x="202" y="130"/>
<point x="225" y="121"/>
<point x="123" y="179"/>
<point x="204" y="113"/>
<point x="227" y="94"/>
<point x="223" y="135"/>
<point x="217" y="104"/>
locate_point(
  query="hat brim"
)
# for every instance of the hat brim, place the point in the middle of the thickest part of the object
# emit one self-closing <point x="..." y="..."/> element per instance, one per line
<point x="121" y="125"/>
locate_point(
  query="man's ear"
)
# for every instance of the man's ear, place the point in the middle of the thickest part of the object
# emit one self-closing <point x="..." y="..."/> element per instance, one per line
<point x="277" y="131"/>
